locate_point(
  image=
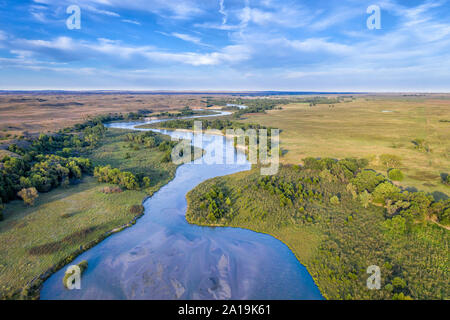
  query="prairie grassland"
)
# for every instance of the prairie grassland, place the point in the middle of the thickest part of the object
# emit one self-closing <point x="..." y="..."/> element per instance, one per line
<point x="36" y="238"/>
<point x="40" y="113"/>
<point x="369" y="128"/>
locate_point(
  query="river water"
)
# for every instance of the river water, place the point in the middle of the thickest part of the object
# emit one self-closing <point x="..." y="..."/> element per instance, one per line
<point x="164" y="257"/>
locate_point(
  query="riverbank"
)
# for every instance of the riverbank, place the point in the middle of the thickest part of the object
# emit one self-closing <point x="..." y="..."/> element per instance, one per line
<point x="302" y="253"/>
<point x="40" y="240"/>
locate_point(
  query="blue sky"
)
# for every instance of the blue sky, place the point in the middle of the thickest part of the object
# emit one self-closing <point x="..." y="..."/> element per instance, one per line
<point x="310" y="45"/>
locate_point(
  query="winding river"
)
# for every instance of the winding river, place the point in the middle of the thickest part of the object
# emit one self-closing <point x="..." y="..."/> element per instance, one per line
<point x="164" y="257"/>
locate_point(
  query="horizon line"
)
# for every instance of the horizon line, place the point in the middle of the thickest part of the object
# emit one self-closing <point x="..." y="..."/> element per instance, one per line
<point x="172" y="91"/>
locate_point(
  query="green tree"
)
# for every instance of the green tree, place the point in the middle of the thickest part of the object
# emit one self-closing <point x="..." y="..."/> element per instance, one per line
<point x="386" y="191"/>
<point x="146" y="181"/>
<point x="211" y="217"/>
<point x="444" y="217"/>
<point x="365" y="199"/>
<point x="367" y="180"/>
<point x="396" y="226"/>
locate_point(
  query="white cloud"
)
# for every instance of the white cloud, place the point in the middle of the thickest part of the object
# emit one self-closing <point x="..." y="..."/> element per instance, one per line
<point x="186" y="37"/>
<point x="303" y="41"/>
<point x="100" y="11"/>
<point x="67" y="48"/>
<point x="174" y="9"/>
<point x="223" y="12"/>
<point x="319" y="45"/>
<point x="131" y="21"/>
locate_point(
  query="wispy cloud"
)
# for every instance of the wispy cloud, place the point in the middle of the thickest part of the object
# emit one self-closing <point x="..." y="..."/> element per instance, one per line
<point x="131" y="21"/>
<point x="100" y="11"/>
<point x="67" y="49"/>
<point x="256" y="43"/>
<point x="222" y="11"/>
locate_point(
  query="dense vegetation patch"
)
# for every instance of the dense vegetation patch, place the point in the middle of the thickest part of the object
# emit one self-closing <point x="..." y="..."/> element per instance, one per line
<point x="339" y="219"/>
<point x="185" y="112"/>
<point x="207" y="124"/>
<point x="48" y="162"/>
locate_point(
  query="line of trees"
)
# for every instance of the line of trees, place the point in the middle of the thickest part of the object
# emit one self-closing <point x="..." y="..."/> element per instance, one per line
<point x="217" y="124"/>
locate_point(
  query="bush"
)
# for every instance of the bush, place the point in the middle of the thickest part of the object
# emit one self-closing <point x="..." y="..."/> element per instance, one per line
<point x="146" y="181"/>
<point x="390" y="160"/>
<point x="137" y="209"/>
<point x="445" y="177"/>
<point x="28" y="195"/>
<point x="365" y="199"/>
<point x="421" y="145"/>
<point x="398" y="283"/>
<point x="395" y="175"/>
<point x="335" y="200"/>
<point x="109" y="190"/>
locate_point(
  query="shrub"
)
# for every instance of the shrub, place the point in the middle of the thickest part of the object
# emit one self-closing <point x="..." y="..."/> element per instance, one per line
<point x="445" y="177"/>
<point x="29" y="195"/>
<point x="398" y="283"/>
<point x="421" y="145"/>
<point x="109" y="190"/>
<point x="137" y="209"/>
<point x="335" y="200"/>
<point x="146" y="181"/>
<point x="365" y="199"/>
<point x="390" y="160"/>
<point x="395" y="175"/>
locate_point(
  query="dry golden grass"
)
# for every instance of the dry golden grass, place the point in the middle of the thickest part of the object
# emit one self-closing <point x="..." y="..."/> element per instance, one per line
<point x="360" y="128"/>
<point x="49" y="112"/>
